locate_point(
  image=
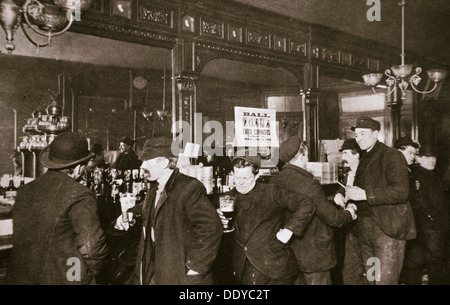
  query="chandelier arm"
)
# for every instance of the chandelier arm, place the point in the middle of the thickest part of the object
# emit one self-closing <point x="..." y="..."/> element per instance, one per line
<point x="424" y="92"/>
<point x="387" y="94"/>
<point x="48" y="33"/>
<point x="31" y="40"/>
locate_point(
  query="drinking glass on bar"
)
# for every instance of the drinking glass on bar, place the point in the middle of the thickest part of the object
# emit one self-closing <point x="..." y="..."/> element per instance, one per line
<point x="227" y="208"/>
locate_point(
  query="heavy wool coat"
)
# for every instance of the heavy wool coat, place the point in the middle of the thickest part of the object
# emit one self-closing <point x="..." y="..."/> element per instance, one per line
<point x="315" y="250"/>
<point x="259" y="215"/>
<point x="428" y="201"/>
<point x="187" y="234"/>
<point x="55" y="223"/>
<point x="387" y="190"/>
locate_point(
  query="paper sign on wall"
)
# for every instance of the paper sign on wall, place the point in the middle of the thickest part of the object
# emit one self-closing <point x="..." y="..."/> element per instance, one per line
<point x="255" y="127"/>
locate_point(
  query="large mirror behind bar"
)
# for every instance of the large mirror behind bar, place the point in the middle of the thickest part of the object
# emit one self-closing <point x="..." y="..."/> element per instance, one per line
<point x="224" y="84"/>
<point x="106" y="88"/>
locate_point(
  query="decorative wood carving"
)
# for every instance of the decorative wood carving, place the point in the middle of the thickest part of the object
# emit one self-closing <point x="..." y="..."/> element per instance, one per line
<point x="155" y="15"/>
<point x="298" y="48"/>
<point x="259" y="39"/>
<point x="331" y="55"/>
<point x="235" y="33"/>
<point x="211" y="28"/>
<point x="186" y="83"/>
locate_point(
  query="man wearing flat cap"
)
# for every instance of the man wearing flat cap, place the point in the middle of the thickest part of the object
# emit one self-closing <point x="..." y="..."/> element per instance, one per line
<point x="261" y="252"/>
<point x="381" y="191"/>
<point x="181" y="230"/>
<point x="430" y="209"/>
<point x="314" y="250"/>
<point x="127" y="159"/>
<point x="57" y="235"/>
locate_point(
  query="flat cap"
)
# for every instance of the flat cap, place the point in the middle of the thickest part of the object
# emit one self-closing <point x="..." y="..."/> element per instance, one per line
<point x="250" y="156"/>
<point x="289" y="148"/>
<point x="366" y="122"/>
<point x="157" y="147"/>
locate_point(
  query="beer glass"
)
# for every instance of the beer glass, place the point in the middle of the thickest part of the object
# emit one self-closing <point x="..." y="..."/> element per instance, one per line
<point x="227" y="208"/>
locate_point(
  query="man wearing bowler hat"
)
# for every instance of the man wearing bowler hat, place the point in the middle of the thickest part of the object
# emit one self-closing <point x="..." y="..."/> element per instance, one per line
<point x="385" y="218"/>
<point x="352" y="264"/>
<point x="431" y="213"/>
<point x="181" y="230"/>
<point x="315" y="250"/>
<point x="408" y="148"/>
<point x="57" y="238"/>
<point x="127" y="159"/>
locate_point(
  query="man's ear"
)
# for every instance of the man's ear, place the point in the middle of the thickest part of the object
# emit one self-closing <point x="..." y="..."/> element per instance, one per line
<point x="165" y="162"/>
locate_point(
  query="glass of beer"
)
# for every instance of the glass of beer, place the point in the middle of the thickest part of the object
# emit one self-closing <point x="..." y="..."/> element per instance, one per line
<point x="227" y="208"/>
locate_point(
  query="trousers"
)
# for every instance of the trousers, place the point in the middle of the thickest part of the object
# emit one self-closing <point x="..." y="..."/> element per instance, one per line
<point x="381" y="254"/>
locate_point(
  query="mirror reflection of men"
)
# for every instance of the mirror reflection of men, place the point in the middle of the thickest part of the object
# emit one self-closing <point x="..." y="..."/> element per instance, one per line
<point x="127" y="159"/>
<point x="181" y="230"/>
<point x="381" y="189"/>
<point x="261" y="253"/>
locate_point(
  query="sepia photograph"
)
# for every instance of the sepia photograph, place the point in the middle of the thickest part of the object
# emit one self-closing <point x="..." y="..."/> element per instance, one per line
<point x="225" y="147"/>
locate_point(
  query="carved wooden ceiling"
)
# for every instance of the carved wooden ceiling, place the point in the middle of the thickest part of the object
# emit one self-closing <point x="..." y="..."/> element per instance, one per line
<point x="427" y="22"/>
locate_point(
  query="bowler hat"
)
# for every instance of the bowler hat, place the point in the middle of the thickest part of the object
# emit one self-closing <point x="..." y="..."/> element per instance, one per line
<point x="427" y="150"/>
<point x="350" y="144"/>
<point x="127" y="141"/>
<point x="67" y="149"/>
<point x="250" y="156"/>
<point x="366" y="122"/>
<point x="405" y="141"/>
<point x="157" y="147"/>
<point x="289" y="148"/>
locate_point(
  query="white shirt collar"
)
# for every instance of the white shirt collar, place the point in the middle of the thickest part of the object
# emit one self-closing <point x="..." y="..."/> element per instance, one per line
<point x="163" y="179"/>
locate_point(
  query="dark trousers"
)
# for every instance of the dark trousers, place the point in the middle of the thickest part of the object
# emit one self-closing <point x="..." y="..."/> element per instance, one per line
<point x="425" y="252"/>
<point x="313" y="278"/>
<point x="251" y="276"/>
<point x="353" y="271"/>
<point x="377" y="246"/>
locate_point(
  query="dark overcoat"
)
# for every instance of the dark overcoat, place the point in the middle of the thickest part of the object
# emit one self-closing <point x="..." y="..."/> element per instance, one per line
<point x="259" y="216"/>
<point x="315" y="250"/>
<point x="187" y="234"/>
<point x="428" y="200"/>
<point x="387" y="191"/>
<point x="127" y="161"/>
<point x="55" y="223"/>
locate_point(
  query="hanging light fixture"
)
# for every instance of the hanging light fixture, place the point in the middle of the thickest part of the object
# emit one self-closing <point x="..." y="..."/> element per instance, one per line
<point x="402" y="76"/>
<point x="45" y="19"/>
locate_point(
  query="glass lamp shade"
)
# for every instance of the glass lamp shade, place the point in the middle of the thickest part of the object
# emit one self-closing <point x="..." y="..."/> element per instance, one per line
<point x="400" y="71"/>
<point x="372" y="79"/>
<point x="47" y="17"/>
<point x="437" y="75"/>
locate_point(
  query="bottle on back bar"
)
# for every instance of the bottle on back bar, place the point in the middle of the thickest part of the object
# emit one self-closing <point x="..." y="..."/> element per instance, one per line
<point x="11" y="190"/>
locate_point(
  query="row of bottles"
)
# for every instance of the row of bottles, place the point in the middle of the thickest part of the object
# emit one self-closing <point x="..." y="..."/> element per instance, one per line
<point x="10" y="192"/>
<point x="222" y="180"/>
<point x="115" y="183"/>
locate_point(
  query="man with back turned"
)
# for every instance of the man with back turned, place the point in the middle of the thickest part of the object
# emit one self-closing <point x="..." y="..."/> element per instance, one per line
<point x="57" y="238"/>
